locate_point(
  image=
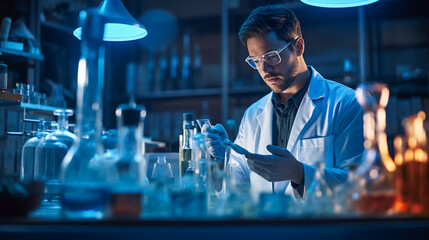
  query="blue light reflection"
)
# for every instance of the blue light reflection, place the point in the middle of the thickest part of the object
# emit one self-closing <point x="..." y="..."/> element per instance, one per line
<point x="116" y="32"/>
<point x="338" y="3"/>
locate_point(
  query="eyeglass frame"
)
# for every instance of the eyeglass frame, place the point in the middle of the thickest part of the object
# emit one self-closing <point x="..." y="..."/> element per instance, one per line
<point x="278" y="51"/>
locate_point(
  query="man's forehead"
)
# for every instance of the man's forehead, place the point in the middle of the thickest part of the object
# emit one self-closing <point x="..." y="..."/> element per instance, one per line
<point x="261" y="44"/>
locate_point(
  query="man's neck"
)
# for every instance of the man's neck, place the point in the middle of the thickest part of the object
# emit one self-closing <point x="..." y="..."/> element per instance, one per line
<point x="299" y="82"/>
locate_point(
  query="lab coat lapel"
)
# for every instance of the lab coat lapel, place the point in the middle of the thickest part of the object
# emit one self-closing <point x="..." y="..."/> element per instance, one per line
<point x="264" y="120"/>
<point x="315" y="91"/>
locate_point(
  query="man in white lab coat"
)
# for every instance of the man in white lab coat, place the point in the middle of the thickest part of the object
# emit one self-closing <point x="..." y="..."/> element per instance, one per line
<point x="303" y="120"/>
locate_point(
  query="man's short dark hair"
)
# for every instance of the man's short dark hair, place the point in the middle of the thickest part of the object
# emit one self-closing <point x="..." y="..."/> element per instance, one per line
<point x="269" y="18"/>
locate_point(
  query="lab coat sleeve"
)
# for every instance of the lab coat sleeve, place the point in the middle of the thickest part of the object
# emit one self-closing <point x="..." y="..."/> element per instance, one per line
<point x="238" y="161"/>
<point x="348" y="148"/>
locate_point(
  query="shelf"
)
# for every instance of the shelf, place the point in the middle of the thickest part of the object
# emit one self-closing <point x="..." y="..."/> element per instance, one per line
<point x="15" y="53"/>
<point x="18" y="106"/>
<point x="182" y="93"/>
<point x="203" y="92"/>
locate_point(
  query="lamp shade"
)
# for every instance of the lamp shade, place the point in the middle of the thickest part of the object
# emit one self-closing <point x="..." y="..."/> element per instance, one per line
<point x="338" y="3"/>
<point x="120" y="25"/>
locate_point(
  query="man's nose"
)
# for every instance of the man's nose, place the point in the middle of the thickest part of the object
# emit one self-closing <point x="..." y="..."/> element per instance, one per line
<point x="266" y="67"/>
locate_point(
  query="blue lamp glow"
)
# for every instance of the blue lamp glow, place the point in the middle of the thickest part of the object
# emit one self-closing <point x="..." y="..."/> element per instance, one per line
<point x="338" y="3"/>
<point x="120" y="25"/>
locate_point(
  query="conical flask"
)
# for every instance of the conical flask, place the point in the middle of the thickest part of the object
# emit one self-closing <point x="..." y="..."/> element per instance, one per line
<point x="319" y="197"/>
<point x="376" y="172"/>
<point x="162" y="172"/>
<point x="85" y="191"/>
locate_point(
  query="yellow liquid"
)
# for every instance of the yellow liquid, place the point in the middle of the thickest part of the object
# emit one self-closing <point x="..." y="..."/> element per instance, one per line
<point x="184" y="162"/>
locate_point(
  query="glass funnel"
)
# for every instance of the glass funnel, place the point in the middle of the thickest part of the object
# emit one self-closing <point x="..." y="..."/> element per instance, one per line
<point x="376" y="172"/>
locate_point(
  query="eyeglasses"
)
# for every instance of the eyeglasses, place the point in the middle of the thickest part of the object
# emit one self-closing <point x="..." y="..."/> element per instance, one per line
<point x="271" y="58"/>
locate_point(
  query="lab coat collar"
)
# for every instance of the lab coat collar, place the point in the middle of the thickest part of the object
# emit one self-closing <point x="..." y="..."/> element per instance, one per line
<point x="316" y="90"/>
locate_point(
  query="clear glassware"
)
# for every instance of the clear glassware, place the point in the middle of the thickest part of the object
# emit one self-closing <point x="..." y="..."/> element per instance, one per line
<point x="85" y="192"/>
<point x="50" y="153"/>
<point x="411" y="180"/>
<point x="162" y="172"/>
<point x="319" y="197"/>
<point x="3" y="77"/>
<point x="189" y="130"/>
<point x="127" y="174"/>
<point x="28" y="157"/>
<point x="42" y="99"/>
<point x="376" y="171"/>
<point x="346" y="193"/>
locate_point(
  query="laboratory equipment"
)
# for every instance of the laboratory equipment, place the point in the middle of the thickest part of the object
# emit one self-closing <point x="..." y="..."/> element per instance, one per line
<point x="319" y="197"/>
<point x="162" y="173"/>
<point x="377" y="169"/>
<point x="412" y="174"/>
<point x="129" y="167"/>
<point x="50" y="153"/>
<point x="28" y="157"/>
<point x="189" y="130"/>
<point x="204" y="124"/>
<point x="85" y="192"/>
<point x="3" y="77"/>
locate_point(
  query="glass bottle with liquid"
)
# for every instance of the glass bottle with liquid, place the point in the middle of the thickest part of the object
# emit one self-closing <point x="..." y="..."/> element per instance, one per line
<point x="127" y="174"/>
<point x="50" y="152"/>
<point x="189" y="130"/>
<point x="28" y="157"/>
<point x="85" y="193"/>
<point x="376" y="172"/>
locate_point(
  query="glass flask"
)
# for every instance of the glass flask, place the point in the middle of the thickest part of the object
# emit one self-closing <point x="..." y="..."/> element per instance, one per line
<point x="346" y="193"/>
<point x="189" y="130"/>
<point x="319" y="197"/>
<point x="85" y="193"/>
<point x="376" y="172"/>
<point x="162" y="173"/>
<point x="28" y="157"/>
<point x="50" y="153"/>
<point x="127" y="174"/>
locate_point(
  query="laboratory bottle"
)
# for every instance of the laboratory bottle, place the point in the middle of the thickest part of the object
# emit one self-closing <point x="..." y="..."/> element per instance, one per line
<point x="189" y="130"/>
<point x="412" y="173"/>
<point x="127" y="174"/>
<point x="319" y="196"/>
<point x="28" y="156"/>
<point x="3" y="77"/>
<point x="50" y="153"/>
<point x="85" y="192"/>
<point x="376" y="172"/>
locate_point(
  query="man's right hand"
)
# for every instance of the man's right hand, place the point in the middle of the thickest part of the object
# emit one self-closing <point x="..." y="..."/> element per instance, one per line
<point x="215" y="141"/>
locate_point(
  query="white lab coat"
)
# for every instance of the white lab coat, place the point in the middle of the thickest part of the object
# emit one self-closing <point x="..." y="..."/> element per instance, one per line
<point x="328" y="126"/>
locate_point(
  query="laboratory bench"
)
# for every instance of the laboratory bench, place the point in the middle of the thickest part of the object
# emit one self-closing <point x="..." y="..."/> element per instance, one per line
<point x="359" y="228"/>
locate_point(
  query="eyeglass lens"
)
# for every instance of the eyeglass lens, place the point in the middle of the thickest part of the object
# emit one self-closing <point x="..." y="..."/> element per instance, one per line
<point x="270" y="58"/>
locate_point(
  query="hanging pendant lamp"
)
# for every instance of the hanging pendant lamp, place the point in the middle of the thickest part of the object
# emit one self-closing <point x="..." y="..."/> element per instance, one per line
<point x="338" y="3"/>
<point x="120" y="25"/>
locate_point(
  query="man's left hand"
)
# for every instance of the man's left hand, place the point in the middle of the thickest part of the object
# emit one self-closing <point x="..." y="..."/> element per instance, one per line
<point x="280" y="166"/>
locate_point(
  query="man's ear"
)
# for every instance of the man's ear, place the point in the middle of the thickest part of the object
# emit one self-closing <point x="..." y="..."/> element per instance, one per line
<point x="299" y="46"/>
